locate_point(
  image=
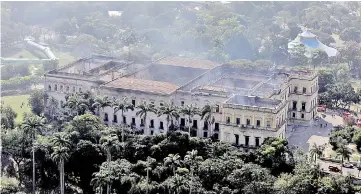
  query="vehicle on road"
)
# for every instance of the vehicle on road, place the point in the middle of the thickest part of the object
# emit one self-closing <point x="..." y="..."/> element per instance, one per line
<point x="347" y="165"/>
<point x="334" y="169"/>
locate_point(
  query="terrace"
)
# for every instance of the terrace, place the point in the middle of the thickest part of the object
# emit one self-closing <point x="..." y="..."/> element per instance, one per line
<point x="254" y="101"/>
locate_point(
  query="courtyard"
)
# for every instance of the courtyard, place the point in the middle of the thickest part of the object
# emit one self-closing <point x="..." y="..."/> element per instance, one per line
<point x="300" y="134"/>
<point x="304" y="136"/>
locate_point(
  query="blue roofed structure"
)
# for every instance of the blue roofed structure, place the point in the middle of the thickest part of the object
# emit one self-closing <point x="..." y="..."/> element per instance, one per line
<point x="310" y="41"/>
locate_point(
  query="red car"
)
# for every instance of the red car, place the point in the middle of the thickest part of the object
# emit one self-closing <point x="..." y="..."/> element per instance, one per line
<point x="334" y="169"/>
<point x="321" y="108"/>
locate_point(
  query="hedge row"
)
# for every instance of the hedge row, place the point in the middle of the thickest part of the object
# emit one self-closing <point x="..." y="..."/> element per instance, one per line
<point x="20" y="83"/>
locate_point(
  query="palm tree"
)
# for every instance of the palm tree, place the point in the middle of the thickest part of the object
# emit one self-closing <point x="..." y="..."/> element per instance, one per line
<point x="144" y="109"/>
<point x="148" y="165"/>
<point x="101" y="103"/>
<point x="316" y="151"/>
<point x="207" y="116"/>
<point x="192" y="159"/>
<point x="52" y="105"/>
<point x="31" y="126"/>
<point x="123" y="106"/>
<point x="102" y="177"/>
<point x="178" y="183"/>
<point x="175" y="184"/>
<point x="78" y="104"/>
<point x="109" y="143"/>
<point x="170" y="111"/>
<point x="345" y="152"/>
<point x="173" y="161"/>
<point x="189" y="111"/>
<point x="60" y="155"/>
<point x="61" y="147"/>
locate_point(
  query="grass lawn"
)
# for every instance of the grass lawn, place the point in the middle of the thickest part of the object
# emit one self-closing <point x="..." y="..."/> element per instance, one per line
<point x="64" y="58"/>
<point x="26" y="54"/>
<point x="15" y="102"/>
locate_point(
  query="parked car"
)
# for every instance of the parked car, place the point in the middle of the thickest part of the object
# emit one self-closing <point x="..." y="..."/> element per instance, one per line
<point x="334" y="169"/>
<point x="347" y="165"/>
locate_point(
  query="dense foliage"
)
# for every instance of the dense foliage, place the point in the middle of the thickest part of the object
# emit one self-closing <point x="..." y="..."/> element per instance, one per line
<point x="20" y="83"/>
<point x="89" y="157"/>
<point x="213" y="30"/>
<point x="76" y="153"/>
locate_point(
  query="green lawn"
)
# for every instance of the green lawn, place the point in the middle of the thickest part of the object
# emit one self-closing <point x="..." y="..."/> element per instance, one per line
<point x="15" y="103"/>
<point x="64" y="58"/>
<point x="26" y="54"/>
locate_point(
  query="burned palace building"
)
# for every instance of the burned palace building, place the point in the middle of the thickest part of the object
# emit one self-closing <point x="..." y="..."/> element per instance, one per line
<point x="247" y="106"/>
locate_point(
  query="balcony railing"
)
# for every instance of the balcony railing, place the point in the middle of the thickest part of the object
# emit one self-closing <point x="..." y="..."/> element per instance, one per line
<point x="253" y="108"/>
<point x="244" y="126"/>
<point x="306" y="94"/>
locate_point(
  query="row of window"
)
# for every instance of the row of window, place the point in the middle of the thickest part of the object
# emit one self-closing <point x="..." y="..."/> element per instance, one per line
<point x="294" y="115"/>
<point x="248" y="122"/>
<point x="304" y="90"/>
<point x="246" y="140"/>
<point x="161" y="125"/>
<point x="61" y="88"/>
<point x="303" y="106"/>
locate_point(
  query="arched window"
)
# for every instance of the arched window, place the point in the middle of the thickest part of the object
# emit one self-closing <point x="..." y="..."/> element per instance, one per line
<point x="56" y="87"/>
<point x="49" y="87"/>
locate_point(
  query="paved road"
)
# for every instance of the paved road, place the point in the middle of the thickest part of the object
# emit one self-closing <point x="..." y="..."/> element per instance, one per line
<point x="345" y="171"/>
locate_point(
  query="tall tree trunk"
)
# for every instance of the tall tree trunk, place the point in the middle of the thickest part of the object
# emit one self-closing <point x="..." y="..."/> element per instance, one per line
<point x="123" y="125"/>
<point x="109" y="157"/>
<point x="60" y="179"/>
<point x="341" y="163"/>
<point x="108" y="188"/>
<point x="33" y="149"/>
<point x="147" y="131"/>
<point x="63" y="175"/>
<point x="190" y="185"/>
<point x="189" y="127"/>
